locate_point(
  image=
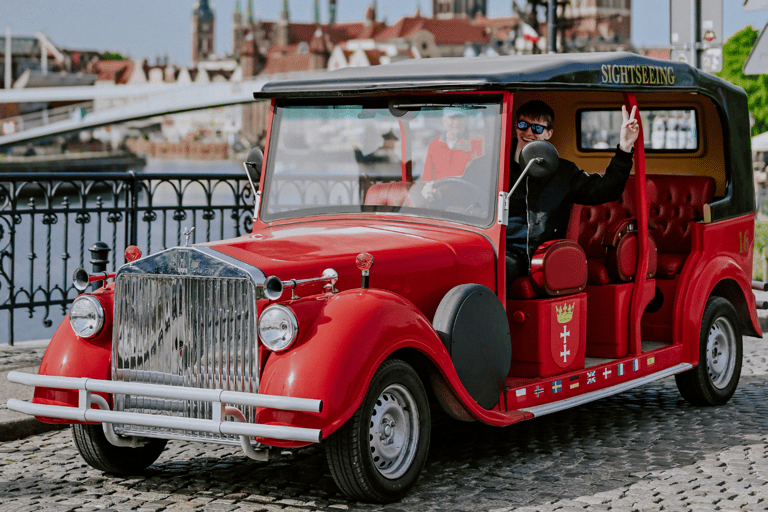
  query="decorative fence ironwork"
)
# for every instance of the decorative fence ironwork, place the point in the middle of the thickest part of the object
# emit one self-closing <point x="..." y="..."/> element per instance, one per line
<point x="44" y="217"/>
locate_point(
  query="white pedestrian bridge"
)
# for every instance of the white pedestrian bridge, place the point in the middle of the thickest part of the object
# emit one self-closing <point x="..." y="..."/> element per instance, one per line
<point x="143" y="101"/>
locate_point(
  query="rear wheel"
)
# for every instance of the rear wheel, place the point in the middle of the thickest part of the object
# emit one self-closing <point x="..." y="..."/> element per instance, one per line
<point x="378" y="454"/>
<point x="714" y="380"/>
<point x="104" y="456"/>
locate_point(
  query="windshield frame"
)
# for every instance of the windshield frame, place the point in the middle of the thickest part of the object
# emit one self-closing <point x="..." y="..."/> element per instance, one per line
<point x="401" y="110"/>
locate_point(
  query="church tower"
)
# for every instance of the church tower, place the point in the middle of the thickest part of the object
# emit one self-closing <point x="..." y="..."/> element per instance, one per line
<point x="238" y="31"/>
<point x="203" y="32"/>
<point x="283" y="26"/>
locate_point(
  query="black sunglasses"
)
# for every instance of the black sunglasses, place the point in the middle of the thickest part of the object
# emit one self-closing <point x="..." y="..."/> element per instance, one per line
<point x="538" y="129"/>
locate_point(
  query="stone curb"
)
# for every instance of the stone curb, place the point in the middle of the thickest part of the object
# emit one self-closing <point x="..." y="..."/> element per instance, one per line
<point x="18" y="429"/>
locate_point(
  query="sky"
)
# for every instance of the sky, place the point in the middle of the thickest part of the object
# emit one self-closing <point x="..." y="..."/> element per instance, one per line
<point x="158" y="28"/>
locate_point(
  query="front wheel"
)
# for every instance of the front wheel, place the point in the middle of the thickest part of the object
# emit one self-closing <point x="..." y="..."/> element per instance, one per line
<point x="378" y="454"/>
<point x="104" y="456"/>
<point x="714" y="380"/>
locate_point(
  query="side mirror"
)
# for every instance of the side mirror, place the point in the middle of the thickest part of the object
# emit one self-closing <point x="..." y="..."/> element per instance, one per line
<point x="539" y="159"/>
<point x="253" y="165"/>
<point x="542" y="158"/>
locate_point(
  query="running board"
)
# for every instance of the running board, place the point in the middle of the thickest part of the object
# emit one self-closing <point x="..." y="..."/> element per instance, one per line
<point x="541" y="410"/>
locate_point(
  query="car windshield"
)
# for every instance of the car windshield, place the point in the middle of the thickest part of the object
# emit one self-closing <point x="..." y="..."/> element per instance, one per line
<point x="413" y="156"/>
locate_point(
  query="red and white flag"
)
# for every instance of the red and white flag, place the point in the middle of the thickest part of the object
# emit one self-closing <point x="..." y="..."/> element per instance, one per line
<point x="530" y="34"/>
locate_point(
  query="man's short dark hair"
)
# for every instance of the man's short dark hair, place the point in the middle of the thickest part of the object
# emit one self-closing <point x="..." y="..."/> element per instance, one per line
<point x="537" y="109"/>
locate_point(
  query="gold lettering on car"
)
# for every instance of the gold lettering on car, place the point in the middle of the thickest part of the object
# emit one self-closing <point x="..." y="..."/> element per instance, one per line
<point x="744" y="242"/>
<point x="637" y="75"/>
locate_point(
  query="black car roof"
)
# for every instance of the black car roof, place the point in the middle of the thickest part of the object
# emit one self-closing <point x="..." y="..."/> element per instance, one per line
<point x="607" y="71"/>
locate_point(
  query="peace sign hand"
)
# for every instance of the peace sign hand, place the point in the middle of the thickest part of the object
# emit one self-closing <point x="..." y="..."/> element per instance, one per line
<point x="630" y="129"/>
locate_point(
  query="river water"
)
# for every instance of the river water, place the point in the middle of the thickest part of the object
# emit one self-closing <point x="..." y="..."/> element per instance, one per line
<point x="31" y="273"/>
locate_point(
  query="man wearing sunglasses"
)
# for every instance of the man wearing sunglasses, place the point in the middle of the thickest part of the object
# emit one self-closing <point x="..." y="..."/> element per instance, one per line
<point x="540" y="209"/>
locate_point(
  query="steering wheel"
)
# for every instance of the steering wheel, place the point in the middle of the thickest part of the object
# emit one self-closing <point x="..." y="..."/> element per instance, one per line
<point x="458" y="195"/>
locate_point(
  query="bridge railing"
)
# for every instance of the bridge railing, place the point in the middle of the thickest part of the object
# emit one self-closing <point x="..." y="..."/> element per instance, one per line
<point x="23" y="122"/>
<point x="48" y="220"/>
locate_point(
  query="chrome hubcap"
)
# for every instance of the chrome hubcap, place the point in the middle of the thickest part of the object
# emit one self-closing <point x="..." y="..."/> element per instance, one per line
<point x="721" y="352"/>
<point x="394" y="431"/>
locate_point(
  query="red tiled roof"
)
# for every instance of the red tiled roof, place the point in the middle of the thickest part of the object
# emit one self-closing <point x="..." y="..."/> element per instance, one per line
<point x="482" y="21"/>
<point x="118" y="71"/>
<point x="286" y="63"/>
<point x="657" y="53"/>
<point x="448" y="31"/>
<point x="374" y="56"/>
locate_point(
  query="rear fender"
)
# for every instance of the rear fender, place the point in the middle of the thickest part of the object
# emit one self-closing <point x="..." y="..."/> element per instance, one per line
<point x="723" y="277"/>
<point x="354" y="332"/>
<point x="68" y="355"/>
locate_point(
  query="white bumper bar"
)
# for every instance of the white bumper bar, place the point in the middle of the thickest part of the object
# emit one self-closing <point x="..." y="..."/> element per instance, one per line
<point x="84" y="411"/>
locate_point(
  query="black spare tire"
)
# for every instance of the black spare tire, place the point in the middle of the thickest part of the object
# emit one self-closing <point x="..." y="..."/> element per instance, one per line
<point x="474" y="328"/>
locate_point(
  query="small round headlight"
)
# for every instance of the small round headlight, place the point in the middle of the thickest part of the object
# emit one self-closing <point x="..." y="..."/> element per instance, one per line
<point x="86" y="316"/>
<point x="278" y="327"/>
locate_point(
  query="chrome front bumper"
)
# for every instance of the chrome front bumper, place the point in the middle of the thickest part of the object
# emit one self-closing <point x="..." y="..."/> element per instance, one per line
<point x="220" y="399"/>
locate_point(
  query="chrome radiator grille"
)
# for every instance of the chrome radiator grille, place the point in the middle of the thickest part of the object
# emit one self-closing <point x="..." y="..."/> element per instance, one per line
<point x="184" y="331"/>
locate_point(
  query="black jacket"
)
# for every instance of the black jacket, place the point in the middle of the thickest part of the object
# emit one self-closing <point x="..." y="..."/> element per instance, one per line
<point x="540" y="209"/>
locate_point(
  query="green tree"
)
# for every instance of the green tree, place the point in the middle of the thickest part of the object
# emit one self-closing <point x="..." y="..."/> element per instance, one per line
<point x="112" y="56"/>
<point x="735" y="52"/>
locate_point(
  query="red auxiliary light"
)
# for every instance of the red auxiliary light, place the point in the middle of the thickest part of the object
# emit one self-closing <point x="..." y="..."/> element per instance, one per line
<point x="364" y="261"/>
<point x="132" y="253"/>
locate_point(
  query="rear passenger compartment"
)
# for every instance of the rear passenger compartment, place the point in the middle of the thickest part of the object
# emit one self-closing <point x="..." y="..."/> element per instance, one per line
<point x="674" y="203"/>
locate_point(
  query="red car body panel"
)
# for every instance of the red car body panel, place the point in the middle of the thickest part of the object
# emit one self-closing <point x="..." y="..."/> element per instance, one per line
<point x="69" y="355"/>
<point x="438" y="257"/>
<point x="720" y="252"/>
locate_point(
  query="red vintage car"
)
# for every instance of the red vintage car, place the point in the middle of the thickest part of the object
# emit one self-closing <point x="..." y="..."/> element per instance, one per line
<point x="356" y="305"/>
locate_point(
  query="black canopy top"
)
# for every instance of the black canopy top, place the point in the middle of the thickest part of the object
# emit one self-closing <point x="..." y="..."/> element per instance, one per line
<point x="617" y="71"/>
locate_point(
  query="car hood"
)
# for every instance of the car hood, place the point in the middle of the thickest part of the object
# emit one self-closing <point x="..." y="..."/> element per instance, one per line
<point x="409" y="258"/>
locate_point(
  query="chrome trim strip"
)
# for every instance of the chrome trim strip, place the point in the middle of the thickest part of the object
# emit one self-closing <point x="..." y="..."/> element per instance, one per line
<point x="257" y="275"/>
<point x="286" y="403"/>
<point x="153" y="420"/>
<point x="541" y="410"/>
<point x="164" y="263"/>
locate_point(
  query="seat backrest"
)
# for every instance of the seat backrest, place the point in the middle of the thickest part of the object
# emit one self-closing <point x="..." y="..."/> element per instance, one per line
<point x="394" y="193"/>
<point x="676" y="202"/>
<point x="589" y="223"/>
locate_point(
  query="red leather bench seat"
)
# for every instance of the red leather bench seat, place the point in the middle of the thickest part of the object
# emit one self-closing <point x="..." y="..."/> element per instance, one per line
<point x="590" y="224"/>
<point x="677" y="202"/>
<point x="394" y="193"/>
<point x="674" y="202"/>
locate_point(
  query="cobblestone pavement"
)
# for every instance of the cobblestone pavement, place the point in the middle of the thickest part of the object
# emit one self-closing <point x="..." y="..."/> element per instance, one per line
<point x="645" y="449"/>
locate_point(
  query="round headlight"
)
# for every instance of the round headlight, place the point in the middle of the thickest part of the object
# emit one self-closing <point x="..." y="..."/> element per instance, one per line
<point x="278" y="327"/>
<point x="86" y="316"/>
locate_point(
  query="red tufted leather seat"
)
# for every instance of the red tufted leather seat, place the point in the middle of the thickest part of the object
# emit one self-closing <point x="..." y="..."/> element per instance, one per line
<point x="590" y="225"/>
<point x="389" y="194"/>
<point x="678" y="201"/>
<point x="674" y="202"/>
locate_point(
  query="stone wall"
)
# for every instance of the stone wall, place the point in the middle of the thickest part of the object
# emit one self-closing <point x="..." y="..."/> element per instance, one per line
<point x="180" y="150"/>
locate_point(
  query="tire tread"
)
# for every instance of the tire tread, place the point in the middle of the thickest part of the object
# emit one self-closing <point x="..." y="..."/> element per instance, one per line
<point x="345" y="452"/>
<point x="694" y="385"/>
<point x="102" y="455"/>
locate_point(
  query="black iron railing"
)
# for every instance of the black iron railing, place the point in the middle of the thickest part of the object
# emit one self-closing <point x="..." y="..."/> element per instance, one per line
<point x="45" y="217"/>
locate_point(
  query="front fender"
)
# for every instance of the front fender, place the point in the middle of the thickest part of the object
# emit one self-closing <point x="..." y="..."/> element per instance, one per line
<point x="352" y="335"/>
<point x="68" y="355"/>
